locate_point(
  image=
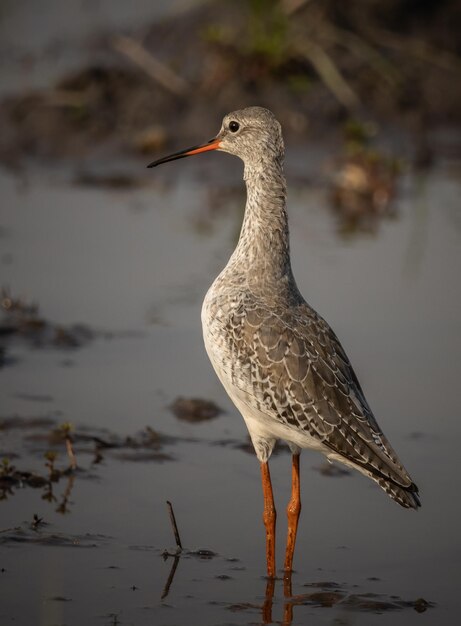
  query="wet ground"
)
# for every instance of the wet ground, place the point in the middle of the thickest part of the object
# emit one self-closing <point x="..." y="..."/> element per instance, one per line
<point x="132" y="267"/>
<point x="104" y="266"/>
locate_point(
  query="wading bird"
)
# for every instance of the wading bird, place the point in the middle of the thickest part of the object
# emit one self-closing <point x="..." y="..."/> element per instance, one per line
<point x="279" y="361"/>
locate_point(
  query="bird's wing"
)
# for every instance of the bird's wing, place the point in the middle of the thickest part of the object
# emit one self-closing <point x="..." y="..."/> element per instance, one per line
<point x="295" y="368"/>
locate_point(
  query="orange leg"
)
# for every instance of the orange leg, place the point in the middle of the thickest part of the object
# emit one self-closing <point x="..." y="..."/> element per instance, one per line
<point x="293" y="511"/>
<point x="269" y="517"/>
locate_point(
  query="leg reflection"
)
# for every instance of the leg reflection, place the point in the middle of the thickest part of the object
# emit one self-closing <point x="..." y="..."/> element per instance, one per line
<point x="287" y="605"/>
<point x="269" y="600"/>
<point x="267" y="606"/>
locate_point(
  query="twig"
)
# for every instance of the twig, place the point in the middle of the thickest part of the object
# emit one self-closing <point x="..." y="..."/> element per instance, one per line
<point x="166" y="554"/>
<point x="36" y="521"/>
<point x="157" y="70"/>
<point x="175" y="527"/>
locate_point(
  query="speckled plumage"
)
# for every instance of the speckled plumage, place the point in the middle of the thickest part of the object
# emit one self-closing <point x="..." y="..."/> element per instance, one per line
<point x="279" y="361"/>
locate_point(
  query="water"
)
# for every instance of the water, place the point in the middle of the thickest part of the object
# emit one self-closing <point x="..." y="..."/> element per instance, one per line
<point x="137" y="264"/>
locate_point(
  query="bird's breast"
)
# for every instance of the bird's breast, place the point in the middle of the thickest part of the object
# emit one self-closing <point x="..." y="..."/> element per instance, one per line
<point x="222" y="309"/>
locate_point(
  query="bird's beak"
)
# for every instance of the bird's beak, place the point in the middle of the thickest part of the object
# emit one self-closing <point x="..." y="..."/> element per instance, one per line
<point x="213" y="144"/>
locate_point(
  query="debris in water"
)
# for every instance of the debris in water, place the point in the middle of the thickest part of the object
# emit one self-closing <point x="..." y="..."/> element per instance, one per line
<point x="195" y="409"/>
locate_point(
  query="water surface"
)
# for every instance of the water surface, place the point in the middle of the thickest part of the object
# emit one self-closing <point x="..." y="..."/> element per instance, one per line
<point x="136" y="265"/>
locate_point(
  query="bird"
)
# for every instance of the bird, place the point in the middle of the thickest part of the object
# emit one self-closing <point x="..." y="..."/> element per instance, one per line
<point x="279" y="361"/>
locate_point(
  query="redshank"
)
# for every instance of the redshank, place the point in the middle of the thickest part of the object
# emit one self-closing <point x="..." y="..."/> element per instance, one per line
<point x="279" y="361"/>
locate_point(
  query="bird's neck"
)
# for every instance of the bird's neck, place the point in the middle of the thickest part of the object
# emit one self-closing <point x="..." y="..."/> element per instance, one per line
<point x="263" y="249"/>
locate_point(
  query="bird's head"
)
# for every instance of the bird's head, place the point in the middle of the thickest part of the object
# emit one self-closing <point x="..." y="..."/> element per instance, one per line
<point x="253" y="134"/>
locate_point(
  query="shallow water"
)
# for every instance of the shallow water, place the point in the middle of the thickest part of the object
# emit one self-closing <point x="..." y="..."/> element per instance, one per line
<point x="136" y="264"/>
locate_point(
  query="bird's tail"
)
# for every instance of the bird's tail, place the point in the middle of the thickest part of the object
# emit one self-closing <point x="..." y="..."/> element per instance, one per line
<point x="407" y="497"/>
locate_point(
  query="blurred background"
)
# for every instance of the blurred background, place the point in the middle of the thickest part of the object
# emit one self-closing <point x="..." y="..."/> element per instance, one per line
<point x="109" y="406"/>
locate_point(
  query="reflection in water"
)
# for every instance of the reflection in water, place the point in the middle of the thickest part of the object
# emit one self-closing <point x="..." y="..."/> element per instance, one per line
<point x="199" y="554"/>
<point x="64" y="502"/>
<point x="289" y="600"/>
<point x="63" y="507"/>
<point x="174" y="566"/>
<point x="330" y="595"/>
<point x="322" y="595"/>
<point x="287" y="593"/>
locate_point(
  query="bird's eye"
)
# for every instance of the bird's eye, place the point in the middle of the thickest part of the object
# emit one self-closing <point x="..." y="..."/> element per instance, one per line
<point x="234" y="126"/>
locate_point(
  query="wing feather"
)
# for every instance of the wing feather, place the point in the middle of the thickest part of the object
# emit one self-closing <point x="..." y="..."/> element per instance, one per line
<point x="301" y="376"/>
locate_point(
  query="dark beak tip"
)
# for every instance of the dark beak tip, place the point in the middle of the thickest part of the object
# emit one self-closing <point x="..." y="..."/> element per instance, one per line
<point x="213" y="144"/>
